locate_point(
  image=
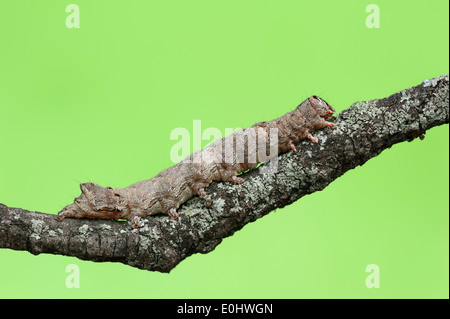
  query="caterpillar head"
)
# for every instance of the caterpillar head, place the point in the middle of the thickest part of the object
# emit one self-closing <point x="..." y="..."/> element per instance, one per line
<point x="321" y="107"/>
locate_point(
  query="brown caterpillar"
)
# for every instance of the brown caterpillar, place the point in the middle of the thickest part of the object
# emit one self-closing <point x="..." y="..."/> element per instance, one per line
<point x="222" y="160"/>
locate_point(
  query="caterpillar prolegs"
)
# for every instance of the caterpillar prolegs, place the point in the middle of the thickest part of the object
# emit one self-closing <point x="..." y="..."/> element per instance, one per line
<point x="221" y="160"/>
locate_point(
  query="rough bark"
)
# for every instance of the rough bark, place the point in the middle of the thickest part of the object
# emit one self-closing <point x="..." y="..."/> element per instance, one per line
<point x="363" y="131"/>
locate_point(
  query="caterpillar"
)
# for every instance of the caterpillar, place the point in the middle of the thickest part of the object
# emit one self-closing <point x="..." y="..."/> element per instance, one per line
<point x="222" y="161"/>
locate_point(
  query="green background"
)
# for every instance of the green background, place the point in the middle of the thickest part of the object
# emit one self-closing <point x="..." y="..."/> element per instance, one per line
<point x="98" y="104"/>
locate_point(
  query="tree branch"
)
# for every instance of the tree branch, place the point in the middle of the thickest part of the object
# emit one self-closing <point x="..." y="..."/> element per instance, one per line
<point x="363" y="131"/>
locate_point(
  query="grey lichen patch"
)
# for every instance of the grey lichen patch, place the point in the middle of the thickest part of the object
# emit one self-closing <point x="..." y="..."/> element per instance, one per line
<point x="270" y="167"/>
<point x="218" y="204"/>
<point x="288" y="179"/>
<point x="257" y="184"/>
<point x="190" y="206"/>
<point x="155" y="233"/>
<point x="433" y="82"/>
<point x="144" y="242"/>
<point x="15" y="212"/>
<point x="358" y="107"/>
<point x="195" y="211"/>
<point x="428" y="82"/>
<point x="361" y="112"/>
<point x="405" y="96"/>
<point x="322" y="138"/>
<point x="225" y="187"/>
<point x="252" y="188"/>
<point x="105" y="227"/>
<point x="173" y="243"/>
<point x="35" y="236"/>
<point x="52" y="233"/>
<point x="83" y="229"/>
<point x="234" y="210"/>
<point x="37" y="227"/>
<point x="144" y="229"/>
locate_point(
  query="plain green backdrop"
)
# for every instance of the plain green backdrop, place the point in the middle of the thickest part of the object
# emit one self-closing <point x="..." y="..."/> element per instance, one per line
<point x="98" y="104"/>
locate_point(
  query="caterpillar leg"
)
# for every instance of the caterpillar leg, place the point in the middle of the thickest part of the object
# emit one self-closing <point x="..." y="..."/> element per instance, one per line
<point x="312" y="138"/>
<point x="292" y="147"/>
<point x="172" y="212"/>
<point x="237" y="180"/>
<point x="329" y="123"/>
<point x="136" y="222"/>
<point x="61" y="215"/>
<point x="201" y="192"/>
<point x="229" y="174"/>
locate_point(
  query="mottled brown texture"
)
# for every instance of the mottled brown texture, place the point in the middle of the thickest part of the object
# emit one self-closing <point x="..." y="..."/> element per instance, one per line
<point x="221" y="161"/>
<point x="363" y="131"/>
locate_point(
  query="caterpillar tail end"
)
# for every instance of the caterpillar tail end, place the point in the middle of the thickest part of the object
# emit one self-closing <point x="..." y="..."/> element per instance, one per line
<point x="69" y="211"/>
